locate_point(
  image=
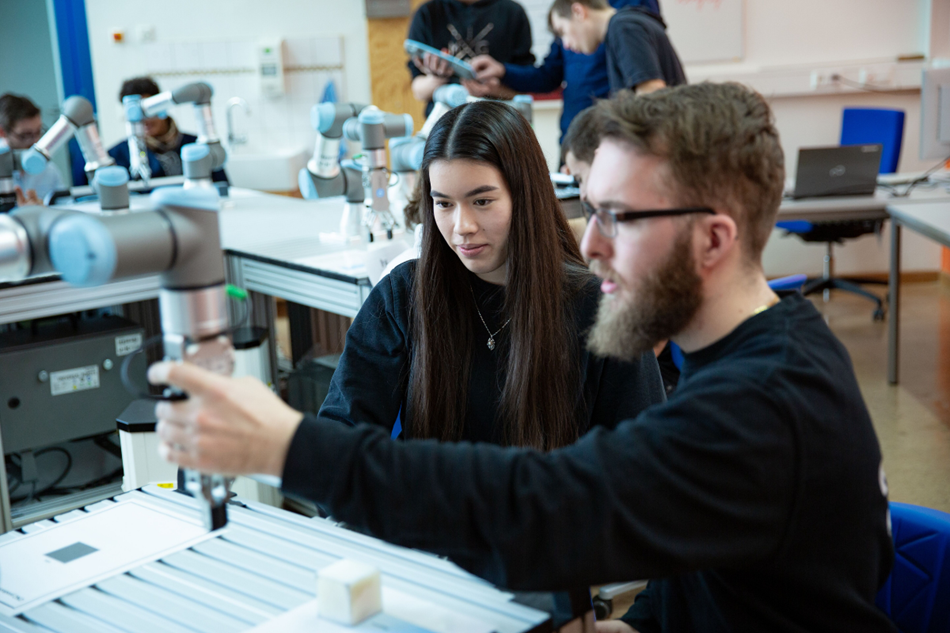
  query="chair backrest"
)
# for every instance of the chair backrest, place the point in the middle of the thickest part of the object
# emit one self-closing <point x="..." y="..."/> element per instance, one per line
<point x="915" y="595"/>
<point x="860" y="126"/>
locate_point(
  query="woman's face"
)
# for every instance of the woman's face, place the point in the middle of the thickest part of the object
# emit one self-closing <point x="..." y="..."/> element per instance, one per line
<point x="472" y="206"/>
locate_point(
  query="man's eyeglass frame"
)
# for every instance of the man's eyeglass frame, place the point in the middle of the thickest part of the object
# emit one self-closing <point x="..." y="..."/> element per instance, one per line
<point x="608" y="228"/>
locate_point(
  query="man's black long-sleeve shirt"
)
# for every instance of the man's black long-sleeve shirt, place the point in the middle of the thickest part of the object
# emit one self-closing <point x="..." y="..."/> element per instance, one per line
<point x="755" y="494"/>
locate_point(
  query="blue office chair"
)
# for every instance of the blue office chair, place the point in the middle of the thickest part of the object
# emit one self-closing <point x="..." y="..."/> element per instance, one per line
<point x="859" y="126"/>
<point x="916" y="596"/>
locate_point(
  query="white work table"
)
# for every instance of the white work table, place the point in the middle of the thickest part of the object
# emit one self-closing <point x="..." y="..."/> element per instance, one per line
<point x="256" y="574"/>
<point x="842" y="208"/>
<point x="932" y="220"/>
<point x="275" y="245"/>
<point x="280" y="246"/>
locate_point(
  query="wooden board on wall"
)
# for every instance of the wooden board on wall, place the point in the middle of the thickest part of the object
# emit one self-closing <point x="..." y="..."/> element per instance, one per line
<point x="389" y="78"/>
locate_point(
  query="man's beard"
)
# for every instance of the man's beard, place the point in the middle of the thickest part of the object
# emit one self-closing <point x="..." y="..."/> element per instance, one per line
<point x="666" y="300"/>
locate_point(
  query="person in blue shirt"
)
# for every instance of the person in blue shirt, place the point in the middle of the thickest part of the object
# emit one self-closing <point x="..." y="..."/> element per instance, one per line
<point x="20" y="127"/>
<point x="162" y="137"/>
<point x="584" y="76"/>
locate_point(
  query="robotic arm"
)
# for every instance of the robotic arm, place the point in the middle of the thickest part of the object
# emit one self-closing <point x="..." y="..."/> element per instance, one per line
<point x="180" y="240"/>
<point x="76" y="120"/>
<point x="406" y="153"/>
<point x="199" y="94"/>
<point x="324" y="176"/>
<point x="372" y="127"/>
<point x="9" y="161"/>
<point x="135" y="133"/>
<point x="24" y="247"/>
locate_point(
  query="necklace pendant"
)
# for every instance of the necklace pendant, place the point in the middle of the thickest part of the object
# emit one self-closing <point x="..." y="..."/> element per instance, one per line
<point x="491" y="343"/>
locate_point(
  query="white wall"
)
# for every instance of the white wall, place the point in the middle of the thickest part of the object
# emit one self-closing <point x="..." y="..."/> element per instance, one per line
<point x="220" y="35"/>
<point x="26" y="45"/>
<point x="784" y="35"/>
<point x="784" y="41"/>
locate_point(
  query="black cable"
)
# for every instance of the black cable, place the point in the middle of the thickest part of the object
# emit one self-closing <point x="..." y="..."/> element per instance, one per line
<point x="89" y="484"/>
<point x="913" y="184"/>
<point x="132" y="388"/>
<point x="69" y="465"/>
<point x="39" y="493"/>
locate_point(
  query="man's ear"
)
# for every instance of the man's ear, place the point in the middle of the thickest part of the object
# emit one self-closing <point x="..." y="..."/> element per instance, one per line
<point x="718" y="237"/>
<point x="578" y="11"/>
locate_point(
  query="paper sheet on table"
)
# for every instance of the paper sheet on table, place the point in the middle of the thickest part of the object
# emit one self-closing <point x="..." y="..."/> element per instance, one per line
<point x="45" y="565"/>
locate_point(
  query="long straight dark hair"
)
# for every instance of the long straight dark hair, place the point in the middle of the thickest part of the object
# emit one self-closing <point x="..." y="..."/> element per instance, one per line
<point x="540" y="398"/>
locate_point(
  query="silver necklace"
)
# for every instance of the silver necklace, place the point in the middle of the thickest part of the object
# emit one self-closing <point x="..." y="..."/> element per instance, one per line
<point x="491" y="336"/>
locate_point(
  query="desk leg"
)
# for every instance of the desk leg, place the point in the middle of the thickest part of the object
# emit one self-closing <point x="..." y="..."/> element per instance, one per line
<point x="893" y="318"/>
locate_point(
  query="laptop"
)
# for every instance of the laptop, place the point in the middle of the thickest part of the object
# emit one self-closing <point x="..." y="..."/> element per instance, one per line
<point x="847" y="170"/>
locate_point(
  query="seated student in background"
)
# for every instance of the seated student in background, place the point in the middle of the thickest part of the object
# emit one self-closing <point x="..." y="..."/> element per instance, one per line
<point x="466" y="29"/>
<point x="584" y="77"/>
<point x="162" y="137"/>
<point x="639" y="55"/>
<point x="755" y="497"/>
<point x="21" y="126"/>
<point x="577" y="153"/>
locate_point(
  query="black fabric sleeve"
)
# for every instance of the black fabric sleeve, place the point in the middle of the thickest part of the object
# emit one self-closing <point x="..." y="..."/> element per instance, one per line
<point x="626" y="389"/>
<point x="545" y="78"/>
<point x="683" y="487"/>
<point x="640" y="614"/>
<point x="521" y="37"/>
<point x="370" y="380"/>
<point x="634" y="54"/>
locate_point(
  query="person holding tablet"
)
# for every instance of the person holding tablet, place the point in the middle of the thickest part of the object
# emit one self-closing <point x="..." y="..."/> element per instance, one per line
<point x="466" y="29"/>
<point x="583" y="76"/>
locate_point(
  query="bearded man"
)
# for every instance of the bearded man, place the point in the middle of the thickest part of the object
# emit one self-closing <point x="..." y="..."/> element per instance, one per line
<point x="754" y="497"/>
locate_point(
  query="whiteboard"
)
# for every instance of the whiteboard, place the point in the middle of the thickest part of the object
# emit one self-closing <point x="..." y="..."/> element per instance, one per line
<point x="705" y="31"/>
<point x="702" y="31"/>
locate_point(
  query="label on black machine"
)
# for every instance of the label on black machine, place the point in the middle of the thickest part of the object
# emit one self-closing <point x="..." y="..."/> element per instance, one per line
<point x="70" y="380"/>
<point x="125" y="345"/>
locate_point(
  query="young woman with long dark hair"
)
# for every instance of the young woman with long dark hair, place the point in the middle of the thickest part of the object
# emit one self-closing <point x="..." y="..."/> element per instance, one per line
<point x="483" y="337"/>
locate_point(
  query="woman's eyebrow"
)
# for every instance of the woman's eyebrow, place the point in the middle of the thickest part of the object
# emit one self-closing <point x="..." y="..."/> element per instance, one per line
<point x="473" y="192"/>
<point x="482" y="189"/>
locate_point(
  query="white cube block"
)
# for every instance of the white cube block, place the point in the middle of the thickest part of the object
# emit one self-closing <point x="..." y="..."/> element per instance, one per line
<point x="348" y="592"/>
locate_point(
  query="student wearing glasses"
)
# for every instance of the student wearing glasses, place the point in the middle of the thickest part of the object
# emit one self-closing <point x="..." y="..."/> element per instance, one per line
<point x="754" y="498"/>
<point x="577" y="153"/>
<point x="20" y="126"/>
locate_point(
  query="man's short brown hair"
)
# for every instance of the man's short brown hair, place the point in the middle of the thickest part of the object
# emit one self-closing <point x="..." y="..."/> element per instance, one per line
<point x="582" y="136"/>
<point x="563" y="8"/>
<point x="720" y="145"/>
<point x="15" y="108"/>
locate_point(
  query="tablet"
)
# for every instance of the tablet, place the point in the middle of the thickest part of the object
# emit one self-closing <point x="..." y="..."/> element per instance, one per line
<point x="462" y="68"/>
